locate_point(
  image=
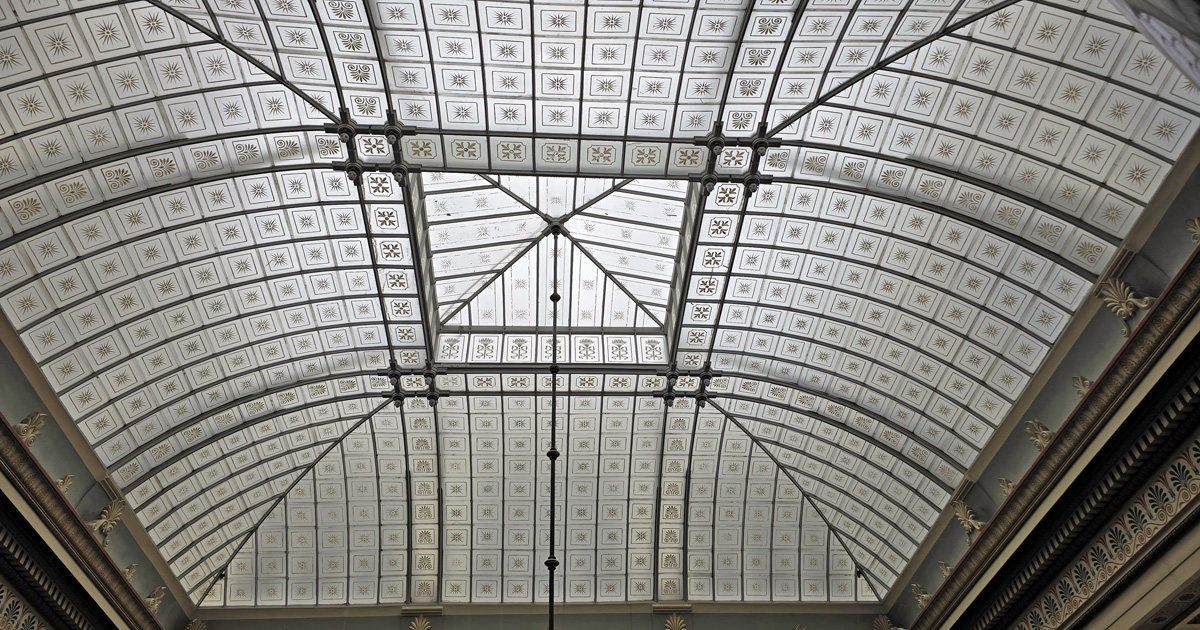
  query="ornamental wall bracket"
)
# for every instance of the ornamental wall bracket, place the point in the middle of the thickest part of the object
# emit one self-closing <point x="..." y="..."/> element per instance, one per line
<point x="64" y="483"/>
<point x="104" y="525"/>
<point x="1122" y="300"/>
<point x="1006" y="486"/>
<point x="1039" y="434"/>
<point x="129" y="571"/>
<point x="966" y="518"/>
<point x="31" y="427"/>
<point x="883" y="622"/>
<point x="1081" y="385"/>
<point x="920" y="595"/>
<point x="945" y="569"/>
<point x="1193" y="228"/>
<point x="155" y="598"/>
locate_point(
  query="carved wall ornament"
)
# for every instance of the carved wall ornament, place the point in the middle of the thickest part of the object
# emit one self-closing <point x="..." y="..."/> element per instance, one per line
<point x="155" y="599"/>
<point x="921" y="596"/>
<point x="108" y="519"/>
<point x="1039" y="433"/>
<point x="966" y="517"/>
<point x="945" y="569"/>
<point x="1193" y="227"/>
<point x="31" y="427"/>
<point x="64" y="483"/>
<point x="1162" y="501"/>
<point x="1121" y="299"/>
<point x="675" y="622"/>
<point x="1006" y="486"/>
<point x="129" y="571"/>
<point x="420" y="623"/>
<point x="883" y="622"/>
<point x="1081" y="385"/>
<point x="196" y="624"/>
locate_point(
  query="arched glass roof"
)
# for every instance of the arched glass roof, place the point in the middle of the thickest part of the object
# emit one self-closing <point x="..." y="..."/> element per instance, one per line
<point x="865" y="223"/>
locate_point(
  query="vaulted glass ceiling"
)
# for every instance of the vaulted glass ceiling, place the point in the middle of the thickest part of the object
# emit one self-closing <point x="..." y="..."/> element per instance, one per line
<point x="222" y="219"/>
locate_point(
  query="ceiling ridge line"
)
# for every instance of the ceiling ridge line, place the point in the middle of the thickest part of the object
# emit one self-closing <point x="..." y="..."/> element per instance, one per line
<point x="685" y="254"/>
<point x="218" y="38"/>
<point x="836" y="532"/>
<point x="222" y="573"/>
<point x="888" y="60"/>
<point x="873" y="511"/>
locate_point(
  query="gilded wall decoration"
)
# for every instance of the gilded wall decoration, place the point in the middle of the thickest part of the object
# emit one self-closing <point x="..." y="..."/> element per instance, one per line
<point x="1169" y="495"/>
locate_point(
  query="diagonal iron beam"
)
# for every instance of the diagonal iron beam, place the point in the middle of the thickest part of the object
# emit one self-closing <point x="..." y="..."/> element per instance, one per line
<point x="611" y="277"/>
<point x="835" y="531"/>
<point x="883" y="63"/>
<point x="250" y="59"/>
<point x="282" y="495"/>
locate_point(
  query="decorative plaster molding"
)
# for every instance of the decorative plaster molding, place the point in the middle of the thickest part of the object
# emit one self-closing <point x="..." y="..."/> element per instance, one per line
<point x="43" y="494"/>
<point x="1039" y="434"/>
<point x="1121" y="299"/>
<point x="1162" y="326"/>
<point x="1169" y="495"/>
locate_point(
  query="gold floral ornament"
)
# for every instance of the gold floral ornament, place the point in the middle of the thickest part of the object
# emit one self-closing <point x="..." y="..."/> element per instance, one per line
<point x="1081" y="385"/>
<point x="966" y="517"/>
<point x="31" y="427"/>
<point x="154" y="600"/>
<point x="883" y="622"/>
<point x="675" y="622"/>
<point x="108" y="519"/>
<point x="129" y="571"/>
<point x="420" y="623"/>
<point x="921" y="596"/>
<point x="1121" y="299"/>
<point x="64" y="484"/>
<point x="1193" y="227"/>
<point x="945" y="569"/>
<point x="1039" y="433"/>
<point x="1006" y="486"/>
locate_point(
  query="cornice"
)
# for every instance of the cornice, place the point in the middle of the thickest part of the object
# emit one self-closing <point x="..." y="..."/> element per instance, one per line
<point x="36" y="488"/>
<point x="1162" y="326"/>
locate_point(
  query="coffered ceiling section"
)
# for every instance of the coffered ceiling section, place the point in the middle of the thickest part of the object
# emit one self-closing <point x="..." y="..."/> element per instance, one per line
<point x="220" y="220"/>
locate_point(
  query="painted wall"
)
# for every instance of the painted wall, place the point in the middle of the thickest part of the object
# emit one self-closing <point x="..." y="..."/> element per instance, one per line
<point x="59" y="458"/>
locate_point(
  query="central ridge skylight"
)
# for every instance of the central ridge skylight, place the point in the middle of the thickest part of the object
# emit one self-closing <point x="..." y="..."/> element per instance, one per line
<point x="491" y="263"/>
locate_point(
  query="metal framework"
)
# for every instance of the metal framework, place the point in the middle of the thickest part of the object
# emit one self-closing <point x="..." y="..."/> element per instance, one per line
<point x="850" y="232"/>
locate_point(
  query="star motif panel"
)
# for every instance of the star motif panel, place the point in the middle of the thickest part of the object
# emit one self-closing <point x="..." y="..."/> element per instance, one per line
<point x="221" y="219"/>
